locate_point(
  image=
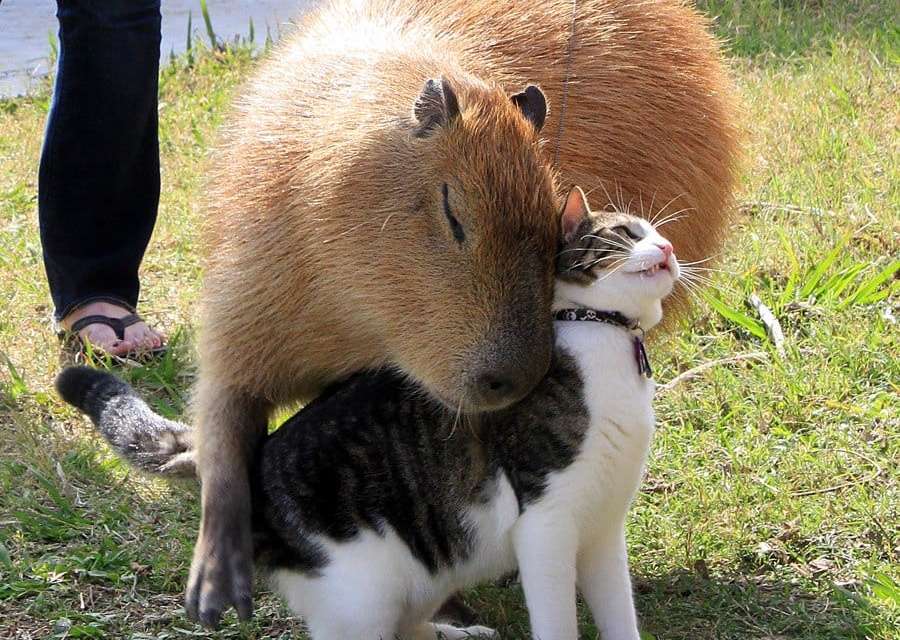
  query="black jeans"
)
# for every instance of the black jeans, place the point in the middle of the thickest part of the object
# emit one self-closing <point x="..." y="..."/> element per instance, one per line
<point x="98" y="186"/>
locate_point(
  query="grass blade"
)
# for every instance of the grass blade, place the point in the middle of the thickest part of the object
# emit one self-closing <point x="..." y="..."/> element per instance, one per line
<point x="884" y="588"/>
<point x="816" y="275"/>
<point x="17" y="387"/>
<point x="189" y="40"/>
<point x="839" y="282"/>
<point x="53" y="41"/>
<point x="793" y="274"/>
<point x="209" y="27"/>
<point x="867" y="292"/>
<point x="734" y="316"/>
<point x="5" y="560"/>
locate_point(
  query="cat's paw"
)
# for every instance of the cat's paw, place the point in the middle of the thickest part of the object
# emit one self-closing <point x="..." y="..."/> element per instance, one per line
<point x="480" y="632"/>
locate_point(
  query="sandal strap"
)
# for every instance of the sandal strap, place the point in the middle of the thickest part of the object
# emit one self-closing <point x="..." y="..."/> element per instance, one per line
<point x="116" y="324"/>
<point x="130" y="319"/>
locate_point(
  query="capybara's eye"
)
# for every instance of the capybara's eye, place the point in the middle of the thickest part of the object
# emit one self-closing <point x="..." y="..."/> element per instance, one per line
<point x="455" y="226"/>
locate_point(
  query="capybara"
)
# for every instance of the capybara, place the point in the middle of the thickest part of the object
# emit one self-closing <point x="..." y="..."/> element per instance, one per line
<point x="384" y="196"/>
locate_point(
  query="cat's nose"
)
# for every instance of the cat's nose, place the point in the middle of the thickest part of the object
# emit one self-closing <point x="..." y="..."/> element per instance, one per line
<point x="665" y="247"/>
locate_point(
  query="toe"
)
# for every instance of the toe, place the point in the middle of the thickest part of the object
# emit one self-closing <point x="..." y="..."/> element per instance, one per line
<point x="192" y="600"/>
<point x="210" y="616"/>
<point x="159" y="336"/>
<point x="244" y="605"/>
<point x="121" y="347"/>
<point x="143" y="337"/>
<point x="102" y="338"/>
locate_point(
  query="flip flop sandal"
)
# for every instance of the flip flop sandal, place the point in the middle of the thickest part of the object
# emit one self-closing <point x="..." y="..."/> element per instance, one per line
<point x="118" y="325"/>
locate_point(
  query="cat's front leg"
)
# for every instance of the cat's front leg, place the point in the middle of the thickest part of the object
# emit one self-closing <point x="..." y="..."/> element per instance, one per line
<point x="605" y="584"/>
<point x="545" y="544"/>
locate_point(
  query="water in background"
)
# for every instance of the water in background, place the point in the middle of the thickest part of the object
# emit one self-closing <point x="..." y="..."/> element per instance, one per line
<point x="26" y="28"/>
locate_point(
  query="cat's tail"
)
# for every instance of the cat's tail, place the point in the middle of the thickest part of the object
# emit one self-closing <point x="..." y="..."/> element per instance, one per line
<point x="144" y="438"/>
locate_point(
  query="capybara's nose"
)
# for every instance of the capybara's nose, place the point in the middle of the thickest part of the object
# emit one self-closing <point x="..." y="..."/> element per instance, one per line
<point x="498" y="387"/>
<point x="494" y="383"/>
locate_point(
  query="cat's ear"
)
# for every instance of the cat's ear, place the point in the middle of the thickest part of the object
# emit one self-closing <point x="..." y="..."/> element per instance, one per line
<point x="533" y="105"/>
<point x="435" y="107"/>
<point x="574" y="212"/>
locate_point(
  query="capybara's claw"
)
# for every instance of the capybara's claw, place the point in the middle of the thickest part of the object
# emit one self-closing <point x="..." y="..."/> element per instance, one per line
<point x="221" y="576"/>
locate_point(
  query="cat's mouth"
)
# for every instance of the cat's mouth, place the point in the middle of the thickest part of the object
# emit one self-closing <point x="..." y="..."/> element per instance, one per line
<point x="652" y="271"/>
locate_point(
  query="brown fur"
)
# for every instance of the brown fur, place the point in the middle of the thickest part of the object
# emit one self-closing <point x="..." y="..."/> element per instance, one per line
<point x="650" y="114"/>
<point x="329" y="251"/>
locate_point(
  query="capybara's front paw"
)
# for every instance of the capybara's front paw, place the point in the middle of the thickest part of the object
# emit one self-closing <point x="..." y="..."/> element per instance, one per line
<point x="221" y="575"/>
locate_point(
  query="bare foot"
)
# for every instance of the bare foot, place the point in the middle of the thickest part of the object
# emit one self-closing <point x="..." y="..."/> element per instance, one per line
<point x="138" y="337"/>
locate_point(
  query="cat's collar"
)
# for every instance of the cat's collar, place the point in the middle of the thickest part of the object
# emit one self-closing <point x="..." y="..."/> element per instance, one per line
<point x="595" y="315"/>
<point x="617" y="319"/>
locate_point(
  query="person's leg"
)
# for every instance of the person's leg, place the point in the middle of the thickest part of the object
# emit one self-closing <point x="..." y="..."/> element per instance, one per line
<point x="99" y="172"/>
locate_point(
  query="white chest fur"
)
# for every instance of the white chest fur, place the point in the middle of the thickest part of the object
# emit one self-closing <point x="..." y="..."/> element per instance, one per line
<point x="608" y="470"/>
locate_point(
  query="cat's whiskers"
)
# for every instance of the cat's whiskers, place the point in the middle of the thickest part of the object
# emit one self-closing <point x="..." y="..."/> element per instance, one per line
<point x="456" y="419"/>
<point x="612" y="269"/>
<point x="698" y="282"/>
<point x="617" y="258"/>
<point x="691" y="267"/>
<point x="652" y="200"/>
<point x="694" y="290"/>
<point x="614" y="243"/>
<point x="669" y="219"/>
<point x="691" y="289"/>
<point x="614" y="256"/>
<point x="705" y="271"/>
<point x="701" y="278"/>
<point x="672" y="217"/>
<point x="607" y="252"/>
<point x="615" y="262"/>
<point x="609" y="199"/>
<point x="692" y="285"/>
<point x="667" y="205"/>
<point x="693" y="275"/>
<point x="701" y="261"/>
<point x="614" y="252"/>
<point x="581" y="249"/>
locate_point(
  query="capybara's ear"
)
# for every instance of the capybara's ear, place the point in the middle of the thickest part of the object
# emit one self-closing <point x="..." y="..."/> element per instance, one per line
<point x="533" y="105"/>
<point x="574" y="211"/>
<point x="436" y="106"/>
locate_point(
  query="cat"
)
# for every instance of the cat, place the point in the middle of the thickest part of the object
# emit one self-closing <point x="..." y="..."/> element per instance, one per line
<point x="373" y="503"/>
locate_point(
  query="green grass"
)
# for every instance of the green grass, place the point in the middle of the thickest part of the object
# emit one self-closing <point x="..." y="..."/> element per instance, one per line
<point x="772" y="504"/>
<point x="791" y="30"/>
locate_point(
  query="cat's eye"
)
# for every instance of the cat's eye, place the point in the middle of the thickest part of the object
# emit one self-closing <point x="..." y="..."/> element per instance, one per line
<point x="455" y="227"/>
<point x="624" y="229"/>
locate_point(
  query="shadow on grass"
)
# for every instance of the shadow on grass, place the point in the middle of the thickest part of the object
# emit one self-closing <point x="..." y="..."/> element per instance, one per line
<point x="686" y="606"/>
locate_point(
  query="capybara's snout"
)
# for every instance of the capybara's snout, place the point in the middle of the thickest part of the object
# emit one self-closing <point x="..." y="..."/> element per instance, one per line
<point x="512" y="362"/>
